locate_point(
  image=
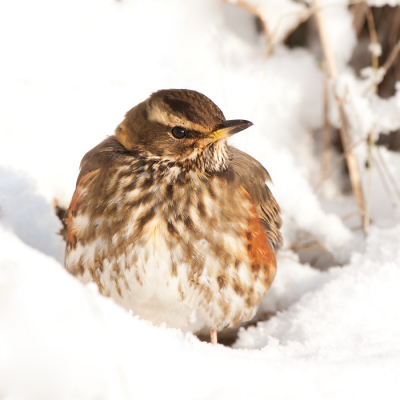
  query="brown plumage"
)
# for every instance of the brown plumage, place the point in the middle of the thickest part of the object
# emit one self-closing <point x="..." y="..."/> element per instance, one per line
<point x="172" y="222"/>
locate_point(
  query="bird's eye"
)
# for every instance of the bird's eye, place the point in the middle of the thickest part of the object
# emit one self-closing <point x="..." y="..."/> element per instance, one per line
<point x="178" y="132"/>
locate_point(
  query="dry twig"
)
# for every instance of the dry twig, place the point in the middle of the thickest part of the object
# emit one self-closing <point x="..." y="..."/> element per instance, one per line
<point x="359" y="14"/>
<point x="344" y="128"/>
<point x="326" y="131"/>
<point x="335" y="166"/>
<point x="371" y="134"/>
<point x="268" y="33"/>
<point x="350" y="215"/>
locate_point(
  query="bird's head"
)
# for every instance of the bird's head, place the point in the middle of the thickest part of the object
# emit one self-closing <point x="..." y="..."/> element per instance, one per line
<point x="178" y="124"/>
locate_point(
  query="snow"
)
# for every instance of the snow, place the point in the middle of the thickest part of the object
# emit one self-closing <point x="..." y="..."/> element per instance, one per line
<point x="73" y="69"/>
<point x="339" y="29"/>
<point x="28" y="214"/>
<point x="337" y="314"/>
<point x="62" y="339"/>
<point x="375" y="49"/>
<point x="281" y="17"/>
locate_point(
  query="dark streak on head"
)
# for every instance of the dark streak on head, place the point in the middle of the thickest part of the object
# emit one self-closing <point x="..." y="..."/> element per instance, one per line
<point x="191" y="105"/>
<point x="181" y="107"/>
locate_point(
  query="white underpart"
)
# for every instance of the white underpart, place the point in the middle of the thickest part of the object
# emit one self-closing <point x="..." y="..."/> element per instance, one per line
<point x="153" y="293"/>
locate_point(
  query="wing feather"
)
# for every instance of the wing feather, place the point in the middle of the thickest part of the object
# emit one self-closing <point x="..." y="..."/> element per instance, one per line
<point x="252" y="177"/>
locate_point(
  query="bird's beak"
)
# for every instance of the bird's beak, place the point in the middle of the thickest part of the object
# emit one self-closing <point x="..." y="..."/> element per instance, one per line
<point x="229" y="128"/>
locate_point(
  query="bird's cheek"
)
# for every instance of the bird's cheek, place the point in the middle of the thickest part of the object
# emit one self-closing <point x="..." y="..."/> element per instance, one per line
<point x="162" y="146"/>
<point x="204" y="142"/>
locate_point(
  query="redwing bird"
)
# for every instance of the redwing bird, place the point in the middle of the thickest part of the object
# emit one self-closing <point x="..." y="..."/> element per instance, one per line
<point x="170" y="221"/>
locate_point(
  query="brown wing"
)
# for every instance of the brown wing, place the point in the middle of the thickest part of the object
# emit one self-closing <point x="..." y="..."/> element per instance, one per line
<point x="94" y="164"/>
<point x="100" y="156"/>
<point x="73" y="209"/>
<point x="252" y="177"/>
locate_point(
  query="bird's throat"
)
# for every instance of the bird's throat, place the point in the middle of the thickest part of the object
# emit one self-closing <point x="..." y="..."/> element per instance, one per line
<point x="212" y="158"/>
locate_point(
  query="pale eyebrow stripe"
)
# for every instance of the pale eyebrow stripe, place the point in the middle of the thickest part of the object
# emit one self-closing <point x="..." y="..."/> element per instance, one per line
<point x="169" y="119"/>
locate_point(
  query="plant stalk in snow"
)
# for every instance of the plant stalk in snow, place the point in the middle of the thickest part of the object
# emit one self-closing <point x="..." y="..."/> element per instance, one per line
<point x="344" y="126"/>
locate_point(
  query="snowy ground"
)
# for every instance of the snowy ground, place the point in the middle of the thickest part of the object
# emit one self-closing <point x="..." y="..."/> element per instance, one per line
<point x="73" y="69"/>
<point x="60" y="339"/>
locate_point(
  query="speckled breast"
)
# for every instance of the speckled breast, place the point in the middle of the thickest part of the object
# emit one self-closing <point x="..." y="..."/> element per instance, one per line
<point x="172" y="244"/>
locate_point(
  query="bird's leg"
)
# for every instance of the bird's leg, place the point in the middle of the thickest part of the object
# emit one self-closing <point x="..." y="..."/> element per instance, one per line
<point x="213" y="334"/>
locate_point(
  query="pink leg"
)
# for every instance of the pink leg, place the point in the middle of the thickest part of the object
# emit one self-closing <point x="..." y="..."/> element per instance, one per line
<point x="213" y="334"/>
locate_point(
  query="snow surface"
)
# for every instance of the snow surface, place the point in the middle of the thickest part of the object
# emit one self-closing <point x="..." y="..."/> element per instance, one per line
<point x="281" y="17"/>
<point x="28" y="214"/>
<point x="60" y="339"/>
<point x="73" y="69"/>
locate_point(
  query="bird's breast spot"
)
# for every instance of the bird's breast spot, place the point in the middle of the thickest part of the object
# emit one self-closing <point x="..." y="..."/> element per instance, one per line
<point x="81" y="222"/>
<point x="173" y="172"/>
<point x="132" y="194"/>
